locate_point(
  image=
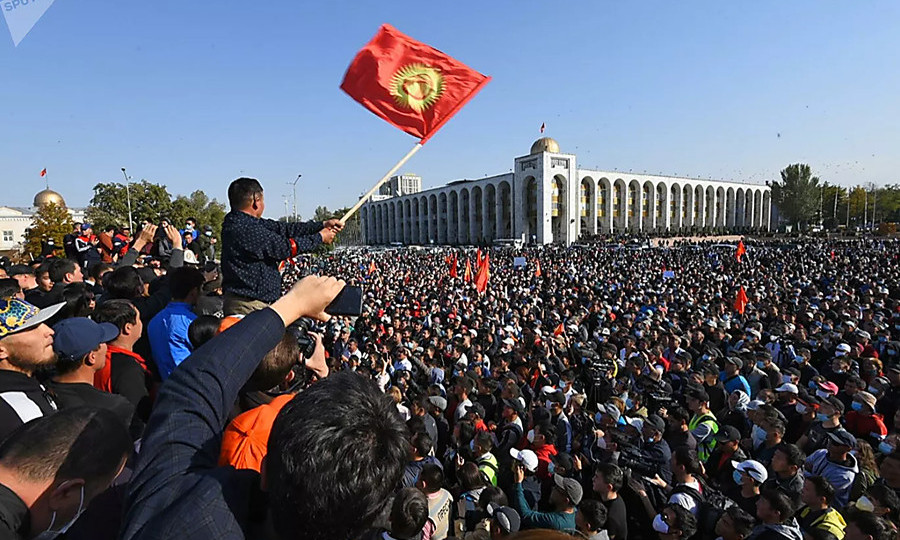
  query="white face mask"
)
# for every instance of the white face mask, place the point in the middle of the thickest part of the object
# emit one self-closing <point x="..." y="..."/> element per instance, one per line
<point x="865" y="505"/>
<point x="601" y="443"/>
<point x="49" y="534"/>
<point x="531" y="436"/>
<point x="659" y="525"/>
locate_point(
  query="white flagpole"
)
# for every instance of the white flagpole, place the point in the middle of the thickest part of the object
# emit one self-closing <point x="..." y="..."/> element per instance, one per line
<point x="377" y="185"/>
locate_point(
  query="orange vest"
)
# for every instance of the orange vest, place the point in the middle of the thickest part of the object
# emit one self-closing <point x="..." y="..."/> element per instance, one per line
<point x="246" y="439"/>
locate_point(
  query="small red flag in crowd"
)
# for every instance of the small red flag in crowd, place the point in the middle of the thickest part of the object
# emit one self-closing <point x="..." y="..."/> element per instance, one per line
<point x="559" y="330"/>
<point x="44" y="172"/>
<point x="453" y="267"/>
<point x="478" y="259"/>
<point x="372" y="267"/>
<point x="740" y="250"/>
<point x="740" y="303"/>
<point x="413" y="86"/>
<point x="542" y="127"/>
<point x="467" y="275"/>
<point x="537" y="270"/>
<point x="484" y="274"/>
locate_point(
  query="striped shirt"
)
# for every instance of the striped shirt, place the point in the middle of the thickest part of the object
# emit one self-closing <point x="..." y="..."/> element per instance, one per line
<point x="22" y="398"/>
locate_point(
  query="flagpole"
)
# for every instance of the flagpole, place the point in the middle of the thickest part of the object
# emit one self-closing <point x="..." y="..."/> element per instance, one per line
<point x="377" y="185"/>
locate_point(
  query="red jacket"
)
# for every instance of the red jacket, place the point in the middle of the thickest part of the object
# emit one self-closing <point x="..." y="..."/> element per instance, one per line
<point x="544" y="453"/>
<point x="862" y="425"/>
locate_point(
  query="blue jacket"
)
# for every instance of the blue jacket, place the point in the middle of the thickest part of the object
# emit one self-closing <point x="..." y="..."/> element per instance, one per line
<point x="178" y="490"/>
<point x="168" y="334"/>
<point x="840" y="476"/>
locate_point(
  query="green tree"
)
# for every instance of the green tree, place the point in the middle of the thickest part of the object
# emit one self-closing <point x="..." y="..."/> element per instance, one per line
<point x="50" y="222"/>
<point x="352" y="233"/>
<point x="198" y="206"/>
<point x="109" y="205"/>
<point x="797" y="195"/>
<point x="834" y="205"/>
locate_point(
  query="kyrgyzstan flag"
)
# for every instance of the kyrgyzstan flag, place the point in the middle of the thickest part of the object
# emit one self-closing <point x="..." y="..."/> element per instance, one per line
<point x="467" y="275"/>
<point x="559" y="330"/>
<point x="372" y="267"/>
<point x="740" y="303"/>
<point x="43" y="172"/>
<point x="411" y="85"/>
<point x="537" y="270"/>
<point x="484" y="274"/>
<point x="453" y="268"/>
<point x="478" y="258"/>
<point x="740" y="250"/>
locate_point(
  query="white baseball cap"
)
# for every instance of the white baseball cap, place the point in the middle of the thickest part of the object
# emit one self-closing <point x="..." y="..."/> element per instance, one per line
<point x="754" y="469"/>
<point x="525" y="457"/>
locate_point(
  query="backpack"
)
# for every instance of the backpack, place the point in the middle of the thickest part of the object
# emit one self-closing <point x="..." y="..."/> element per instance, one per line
<point x="711" y="504"/>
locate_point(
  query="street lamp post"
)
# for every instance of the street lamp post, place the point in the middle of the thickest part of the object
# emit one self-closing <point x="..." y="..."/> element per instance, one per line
<point x="294" y="186"/>
<point x="128" y="197"/>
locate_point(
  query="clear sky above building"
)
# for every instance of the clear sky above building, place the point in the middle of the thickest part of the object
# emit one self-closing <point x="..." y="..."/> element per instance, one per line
<point x="194" y="94"/>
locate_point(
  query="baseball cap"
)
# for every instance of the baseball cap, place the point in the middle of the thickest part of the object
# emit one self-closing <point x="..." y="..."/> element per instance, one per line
<point x="843" y="347"/>
<point x="829" y="387"/>
<point x="842" y="437"/>
<point x="865" y="397"/>
<point x="75" y="337"/>
<point x="515" y="405"/>
<point x="18" y="315"/>
<point x="19" y="270"/>
<point x="564" y="461"/>
<point x="505" y="517"/>
<point x="85" y="226"/>
<point x="527" y="458"/>
<point x="728" y="434"/>
<point x="438" y="402"/>
<point x="698" y="393"/>
<point x="754" y="469"/>
<point x="656" y="423"/>
<point x="570" y="487"/>
<point x="788" y="388"/>
<point x="735" y="360"/>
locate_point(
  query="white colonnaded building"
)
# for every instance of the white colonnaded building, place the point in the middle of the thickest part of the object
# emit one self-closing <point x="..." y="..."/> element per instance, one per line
<point x="15" y="221"/>
<point x="549" y="199"/>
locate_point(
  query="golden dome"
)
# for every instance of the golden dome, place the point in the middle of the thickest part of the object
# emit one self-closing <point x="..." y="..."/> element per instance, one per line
<point x="545" y="144"/>
<point x="48" y="196"/>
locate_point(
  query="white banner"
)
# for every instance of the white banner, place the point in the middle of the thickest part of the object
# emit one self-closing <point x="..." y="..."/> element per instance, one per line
<point x="22" y="15"/>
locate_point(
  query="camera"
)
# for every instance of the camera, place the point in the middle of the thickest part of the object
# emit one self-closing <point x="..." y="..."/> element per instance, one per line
<point x="305" y="342"/>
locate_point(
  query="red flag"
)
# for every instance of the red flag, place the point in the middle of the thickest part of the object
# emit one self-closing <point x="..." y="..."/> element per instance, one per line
<point x="453" y="269"/>
<point x="411" y="85"/>
<point x="740" y="303"/>
<point x="467" y="275"/>
<point x="372" y="267"/>
<point x="484" y="274"/>
<point x="832" y="254"/>
<point x="542" y="127"/>
<point x="559" y="330"/>
<point x="739" y="251"/>
<point x="537" y="271"/>
<point x="478" y="259"/>
<point x="44" y="172"/>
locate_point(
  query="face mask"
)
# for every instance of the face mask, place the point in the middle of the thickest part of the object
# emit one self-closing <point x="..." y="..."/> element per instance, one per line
<point x="839" y="353"/>
<point x="659" y="525"/>
<point x="812" y="385"/>
<point x="785" y="379"/>
<point x="629" y="404"/>
<point x="839" y="371"/>
<point x="882" y="339"/>
<point x="822" y="394"/>
<point x="801" y="408"/>
<point x="208" y="233"/>
<point x="857" y="406"/>
<point x="189" y="227"/>
<point x="885" y="448"/>
<point x="736" y="475"/>
<point x="872" y="390"/>
<point x="813" y="343"/>
<point x="601" y="443"/>
<point x="758" y="435"/>
<point x="761" y="365"/>
<point x="472" y="445"/>
<point x="548" y="404"/>
<point x="864" y="504"/>
<point x="551" y="468"/>
<point x="822" y="417"/>
<point x="530" y="436"/>
<point x="50" y="533"/>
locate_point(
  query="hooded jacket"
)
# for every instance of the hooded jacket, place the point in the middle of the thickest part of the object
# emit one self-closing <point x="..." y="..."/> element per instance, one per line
<point x="777" y="531"/>
<point x="830" y="521"/>
<point x="840" y="476"/>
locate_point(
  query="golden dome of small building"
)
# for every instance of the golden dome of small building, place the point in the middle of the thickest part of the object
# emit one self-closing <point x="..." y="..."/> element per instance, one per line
<point x="48" y="196"/>
<point x="545" y="144"/>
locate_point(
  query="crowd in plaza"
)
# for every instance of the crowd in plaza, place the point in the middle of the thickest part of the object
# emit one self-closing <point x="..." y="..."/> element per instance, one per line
<point x="149" y="389"/>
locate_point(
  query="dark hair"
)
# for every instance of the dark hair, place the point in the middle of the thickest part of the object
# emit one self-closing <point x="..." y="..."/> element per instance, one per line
<point x="492" y="494"/>
<point x="822" y="487"/>
<point x="484" y="440"/>
<point x="409" y="512"/>
<point x="77" y="297"/>
<point x="43" y="268"/>
<point x="612" y="474"/>
<point x="547" y="430"/>
<point x="80" y="442"/>
<point x="203" y="329"/>
<point x="868" y="523"/>
<point x="470" y="477"/>
<point x="594" y="513"/>
<point x="679" y="414"/>
<point x="421" y="442"/>
<point x="336" y="452"/>
<point x="688" y="458"/>
<point x="97" y="269"/>
<point x="9" y="287"/>
<point x="743" y="522"/>
<point x="885" y="495"/>
<point x="124" y="283"/>
<point x="192" y="218"/>
<point x="687" y="523"/>
<point x="117" y="312"/>
<point x="242" y="191"/>
<point x="792" y="454"/>
<point x="183" y="280"/>
<point x="433" y="478"/>
<point x="276" y="364"/>
<point x="59" y="268"/>
<point x="780" y="502"/>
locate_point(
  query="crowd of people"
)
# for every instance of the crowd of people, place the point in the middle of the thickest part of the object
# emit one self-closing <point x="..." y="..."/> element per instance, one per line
<point x="592" y="392"/>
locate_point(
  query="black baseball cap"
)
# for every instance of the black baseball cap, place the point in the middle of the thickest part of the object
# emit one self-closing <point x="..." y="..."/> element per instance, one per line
<point x="728" y="434"/>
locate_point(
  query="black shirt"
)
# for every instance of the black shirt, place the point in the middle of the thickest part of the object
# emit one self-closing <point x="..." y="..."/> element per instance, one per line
<point x="22" y="398"/>
<point x="14" y="519"/>
<point x="70" y="395"/>
<point x="253" y="247"/>
<point x="616" y="519"/>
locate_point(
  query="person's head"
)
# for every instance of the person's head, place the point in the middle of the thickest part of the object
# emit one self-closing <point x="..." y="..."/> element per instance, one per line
<point x="42" y="277"/>
<point x="817" y="492"/>
<point x="125" y="316"/>
<point x="25" y="275"/>
<point x="79" y="299"/>
<point x="566" y="493"/>
<point x="124" y="283"/>
<point x="26" y="343"/>
<point x="353" y="448"/>
<point x="470" y="477"/>
<point x="482" y="443"/>
<point x="409" y="512"/>
<point x="98" y="270"/>
<point x="420" y="445"/>
<point x="787" y="460"/>
<point x="246" y="195"/>
<point x="865" y="526"/>
<point x="65" y="271"/>
<point x="60" y="462"/>
<point x="685" y="462"/>
<point x="591" y="517"/>
<point x="203" y="329"/>
<point x="186" y="283"/>
<point x="774" y="506"/>
<point x="881" y="500"/>
<point x="674" y="522"/>
<point x="190" y="224"/>
<point x="608" y="480"/>
<point x="505" y="521"/>
<point x="734" y="524"/>
<point x="543" y="434"/>
<point x="80" y="343"/>
<point x="750" y="474"/>
<point x="889" y="469"/>
<point x="10" y="288"/>
<point x="840" y="443"/>
<point x="431" y="479"/>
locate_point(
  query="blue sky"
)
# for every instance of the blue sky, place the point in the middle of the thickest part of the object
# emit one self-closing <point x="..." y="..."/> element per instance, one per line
<point x="194" y="94"/>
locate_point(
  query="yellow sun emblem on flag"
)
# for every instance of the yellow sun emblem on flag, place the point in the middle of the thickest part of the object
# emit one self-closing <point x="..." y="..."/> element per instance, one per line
<point x="417" y="86"/>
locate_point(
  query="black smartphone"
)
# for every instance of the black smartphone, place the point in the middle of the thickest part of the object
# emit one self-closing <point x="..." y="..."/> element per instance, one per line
<point x="347" y="303"/>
